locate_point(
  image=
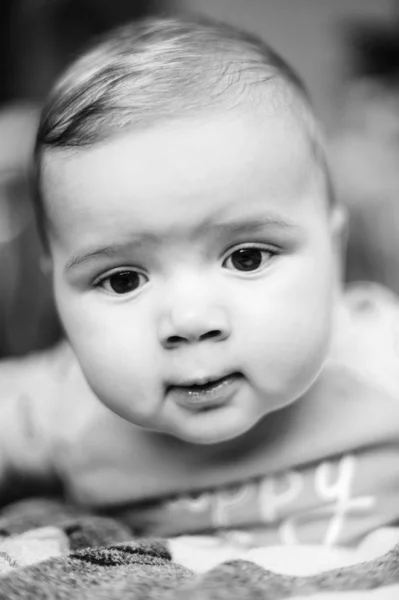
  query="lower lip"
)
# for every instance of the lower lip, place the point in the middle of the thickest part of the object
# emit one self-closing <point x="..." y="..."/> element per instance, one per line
<point x="206" y="397"/>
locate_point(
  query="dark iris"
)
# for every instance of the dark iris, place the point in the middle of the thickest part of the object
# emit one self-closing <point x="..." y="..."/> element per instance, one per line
<point x="124" y="282"/>
<point x="247" y="259"/>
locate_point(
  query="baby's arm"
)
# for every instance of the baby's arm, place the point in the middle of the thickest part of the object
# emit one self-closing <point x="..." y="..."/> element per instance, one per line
<point x="30" y="420"/>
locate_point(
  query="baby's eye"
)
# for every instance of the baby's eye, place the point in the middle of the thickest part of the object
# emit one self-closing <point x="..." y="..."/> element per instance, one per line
<point x="248" y="258"/>
<point x="122" y="282"/>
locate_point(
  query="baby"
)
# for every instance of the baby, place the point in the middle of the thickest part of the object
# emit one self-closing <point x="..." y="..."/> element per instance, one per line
<point x="217" y="379"/>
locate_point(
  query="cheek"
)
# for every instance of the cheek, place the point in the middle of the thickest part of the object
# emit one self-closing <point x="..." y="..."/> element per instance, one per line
<point x="114" y="345"/>
<point x="121" y="369"/>
<point x="287" y="326"/>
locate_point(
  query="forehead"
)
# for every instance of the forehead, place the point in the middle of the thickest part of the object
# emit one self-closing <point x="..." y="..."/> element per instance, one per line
<point x="173" y="174"/>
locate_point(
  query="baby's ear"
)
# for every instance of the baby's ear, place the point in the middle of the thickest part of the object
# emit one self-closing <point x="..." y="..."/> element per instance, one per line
<point x="339" y="223"/>
<point x="46" y="264"/>
<point x="339" y="233"/>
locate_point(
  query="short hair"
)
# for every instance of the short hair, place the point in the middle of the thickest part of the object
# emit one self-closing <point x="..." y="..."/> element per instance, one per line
<point x="161" y="68"/>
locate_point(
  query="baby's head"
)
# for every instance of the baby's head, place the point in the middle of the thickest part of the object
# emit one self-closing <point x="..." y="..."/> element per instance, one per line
<point x="184" y="200"/>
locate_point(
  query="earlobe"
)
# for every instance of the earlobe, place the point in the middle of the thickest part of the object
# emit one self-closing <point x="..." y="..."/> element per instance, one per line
<point x="46" y="265"/>
<point x="339" y="224"/>
<point x="339" y="234"/>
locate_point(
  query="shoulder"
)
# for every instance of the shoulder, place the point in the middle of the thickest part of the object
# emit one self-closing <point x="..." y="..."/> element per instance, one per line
<point x="48" y="392"/>
<point x="366" y="294"/>
<point x="374" y="309"/>
<point x="35" y="367"/>
<point x="372" y="346"/>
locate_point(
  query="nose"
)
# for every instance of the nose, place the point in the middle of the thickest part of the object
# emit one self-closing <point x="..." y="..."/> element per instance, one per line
<point x="193" y="323"/>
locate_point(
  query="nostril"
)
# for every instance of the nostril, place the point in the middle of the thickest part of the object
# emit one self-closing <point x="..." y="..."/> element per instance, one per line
<point x="215" y="333"/>
<point x="175" y="340"/>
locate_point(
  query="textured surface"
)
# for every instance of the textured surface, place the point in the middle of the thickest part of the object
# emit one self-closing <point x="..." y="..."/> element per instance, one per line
<point x="93" y="557"/>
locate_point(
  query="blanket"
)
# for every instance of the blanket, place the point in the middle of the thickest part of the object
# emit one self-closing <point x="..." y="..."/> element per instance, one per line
<point x="53" y="551"/>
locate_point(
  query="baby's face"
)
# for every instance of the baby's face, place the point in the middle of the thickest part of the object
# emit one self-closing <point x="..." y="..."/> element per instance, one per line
<point x="193" y="270"/>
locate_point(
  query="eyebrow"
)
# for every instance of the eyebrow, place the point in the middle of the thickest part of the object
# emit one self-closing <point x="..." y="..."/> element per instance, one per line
<point x="113" y="249"/>
<point x="253" y="225"/>
<point x="233" y="226"/>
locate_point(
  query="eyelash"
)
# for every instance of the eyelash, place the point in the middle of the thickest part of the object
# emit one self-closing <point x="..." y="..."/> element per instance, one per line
<point x="265" y="248"/>
<point x="272" y="251"/>
<point x="101" y="281"/>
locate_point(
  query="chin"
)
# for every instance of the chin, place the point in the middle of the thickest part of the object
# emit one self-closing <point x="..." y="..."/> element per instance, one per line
<point x="213" y="435"/>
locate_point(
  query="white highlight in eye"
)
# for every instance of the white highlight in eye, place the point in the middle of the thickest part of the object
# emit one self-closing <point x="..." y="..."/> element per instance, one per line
<point x="130" y="280"/>
<point x="266" y="253"/>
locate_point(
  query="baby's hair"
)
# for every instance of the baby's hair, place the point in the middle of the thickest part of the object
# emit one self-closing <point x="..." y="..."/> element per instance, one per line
<point x="162" y="68"/>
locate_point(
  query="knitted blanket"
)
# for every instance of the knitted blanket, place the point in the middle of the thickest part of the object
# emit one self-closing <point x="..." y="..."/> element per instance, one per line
<point x="51" y="551"/>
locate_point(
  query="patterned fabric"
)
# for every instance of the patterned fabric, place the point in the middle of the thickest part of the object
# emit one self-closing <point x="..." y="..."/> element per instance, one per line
<point x="105" y="562"/>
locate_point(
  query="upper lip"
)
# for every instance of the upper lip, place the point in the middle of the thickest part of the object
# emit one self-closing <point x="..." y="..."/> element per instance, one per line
<point x="199" y="380"/>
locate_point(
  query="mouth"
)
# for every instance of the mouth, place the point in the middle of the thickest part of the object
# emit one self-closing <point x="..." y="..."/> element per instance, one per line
<point x="205" y="393"/>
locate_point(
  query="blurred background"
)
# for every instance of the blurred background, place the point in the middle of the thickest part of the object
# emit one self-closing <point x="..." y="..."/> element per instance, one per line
<point x="347" y="52"/>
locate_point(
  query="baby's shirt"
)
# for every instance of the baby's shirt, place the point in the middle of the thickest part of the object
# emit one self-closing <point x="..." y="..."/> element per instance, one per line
<point x="324" y="470"/>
